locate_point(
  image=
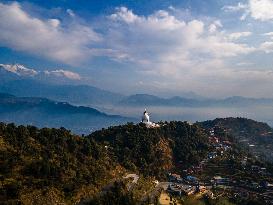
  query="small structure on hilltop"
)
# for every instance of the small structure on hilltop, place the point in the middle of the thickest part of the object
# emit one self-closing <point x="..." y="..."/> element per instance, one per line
<point x="145" y="117"/>
<point x="146" y="120"/>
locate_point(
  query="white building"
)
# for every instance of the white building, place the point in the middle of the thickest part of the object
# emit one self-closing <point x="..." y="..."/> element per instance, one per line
<point x="145" y="117"/>
<point x="146" y="120"/>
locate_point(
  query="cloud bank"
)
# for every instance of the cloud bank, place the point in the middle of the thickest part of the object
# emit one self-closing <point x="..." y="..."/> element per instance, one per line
<point x="64" y="73"/>
<point x="167" y="40"/>
<point x="45" y="37"/>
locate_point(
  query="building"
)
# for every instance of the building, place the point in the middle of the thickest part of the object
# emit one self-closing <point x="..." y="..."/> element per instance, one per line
<point x="191" y="180"/>
<point x="145" y="117"/>
<point x="175" y="177"/>
<point x="212" y="155"/>
<point x="146" y="120"/>
<point x="218" y="180"/>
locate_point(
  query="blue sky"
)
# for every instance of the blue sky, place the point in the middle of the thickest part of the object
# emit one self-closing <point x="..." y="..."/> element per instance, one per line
<point x="215" y="48"/>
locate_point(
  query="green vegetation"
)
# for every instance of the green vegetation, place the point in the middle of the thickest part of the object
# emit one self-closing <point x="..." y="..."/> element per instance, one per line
<point x="53" y="166"/>
<point x="42" y="164"/>
<point x="35" y="160"/>
<point x="154" y="151"/>
<point x="116" y="194"/>
<point x="192" y="200"/>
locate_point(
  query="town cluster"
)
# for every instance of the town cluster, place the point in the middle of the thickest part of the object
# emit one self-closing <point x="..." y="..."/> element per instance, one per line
<point x="192" y="180"/>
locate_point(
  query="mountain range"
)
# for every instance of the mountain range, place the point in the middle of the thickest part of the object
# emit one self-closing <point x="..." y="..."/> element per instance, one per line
<point x="43" y="112"/>
<point x="77" y="94"/>
<point x="152" y="100"/>
<point x="25" y="82"/>
<point x="22" y="81"/>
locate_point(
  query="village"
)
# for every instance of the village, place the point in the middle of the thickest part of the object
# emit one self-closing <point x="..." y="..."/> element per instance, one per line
<point x="192" y="181"/>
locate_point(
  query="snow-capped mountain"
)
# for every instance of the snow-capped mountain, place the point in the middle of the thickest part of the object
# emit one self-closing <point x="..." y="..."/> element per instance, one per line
<point x="56" y="84"/>
<point x="19" y="70"/>
<point x="8" y="70"/>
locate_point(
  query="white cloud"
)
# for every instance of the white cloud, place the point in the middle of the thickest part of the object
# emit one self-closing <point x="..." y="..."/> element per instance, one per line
<point x="267" y="47"/>
<point x="214" y="26"/>
<point x="70" y="12"/>
<point x="168" y="40"/>
<point x="125" y="15"/>
<point x="239" y="7"/>
<point x="163" y="37"/>
<point x="178" y="54"/>
<point x="64" y="73"/>
<point x="45" y="37"/>
<point x="244" y="64"/>
<point x="261" y="10"/>
<point x="237" y="35"/>
<point x="269" y="34"/>
<point x="54" y="22"/>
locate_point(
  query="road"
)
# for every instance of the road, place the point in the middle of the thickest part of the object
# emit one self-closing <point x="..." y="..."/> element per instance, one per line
<point x="134" y="176"/>
<point x="135" y="179"/>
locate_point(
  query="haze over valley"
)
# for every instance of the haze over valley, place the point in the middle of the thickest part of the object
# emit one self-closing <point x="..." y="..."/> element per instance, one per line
<point x="189" y="107"/>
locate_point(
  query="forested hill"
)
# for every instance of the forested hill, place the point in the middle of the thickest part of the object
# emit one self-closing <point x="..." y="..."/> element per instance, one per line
<point x="256" y="136"/>
<point x="239" y="125"/>
<point x="42" y="166"/>
<point x="153" y="151"/>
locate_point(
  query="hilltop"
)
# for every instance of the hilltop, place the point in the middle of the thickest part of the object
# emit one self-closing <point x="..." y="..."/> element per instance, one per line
<point x="153" y="151"/>
<point x="257" y="137"/>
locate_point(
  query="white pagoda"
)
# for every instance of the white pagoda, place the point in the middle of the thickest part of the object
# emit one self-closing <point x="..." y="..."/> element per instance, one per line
<point x="146" y="120"/>
<point x="145" y="117"/>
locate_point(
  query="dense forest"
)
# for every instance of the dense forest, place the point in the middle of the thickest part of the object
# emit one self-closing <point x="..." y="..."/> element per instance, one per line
<point x="45" y="166"/>
<point x="153" y="151"/>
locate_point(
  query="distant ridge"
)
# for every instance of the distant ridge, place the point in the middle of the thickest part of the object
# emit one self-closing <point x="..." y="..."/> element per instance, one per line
<point x="44" y="112"/>
<point x="152" y="100"/>
<point x="78" y="94"/>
